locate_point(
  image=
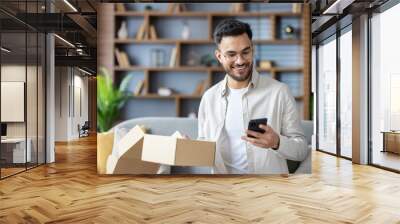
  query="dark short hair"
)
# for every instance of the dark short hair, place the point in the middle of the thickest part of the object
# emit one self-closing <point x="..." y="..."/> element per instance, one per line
<point x="231" y="27"/>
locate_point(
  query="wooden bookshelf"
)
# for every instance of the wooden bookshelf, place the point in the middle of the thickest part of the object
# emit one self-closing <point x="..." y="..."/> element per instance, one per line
<point x="201" y="69"/>
<point x="205" y="14"/>
<point x="147" y="17"/>
<point x="182" y="96"/>
<point x="172" y="41"/>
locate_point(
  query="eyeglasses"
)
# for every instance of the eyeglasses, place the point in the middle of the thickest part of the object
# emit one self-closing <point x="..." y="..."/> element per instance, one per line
<point x="232" y="56"/>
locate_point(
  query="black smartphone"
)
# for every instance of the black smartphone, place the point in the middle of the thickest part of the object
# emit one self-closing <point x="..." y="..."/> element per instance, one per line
<point x="254" y="125"/>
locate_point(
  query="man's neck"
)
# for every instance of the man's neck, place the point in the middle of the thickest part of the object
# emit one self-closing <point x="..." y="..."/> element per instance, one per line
<point x="233" y="84"/>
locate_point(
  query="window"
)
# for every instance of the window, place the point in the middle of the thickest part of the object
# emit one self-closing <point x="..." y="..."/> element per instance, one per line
<point x="346" y="92"/>
<point x="327" y="95"/>
<point x="385" y="88"/>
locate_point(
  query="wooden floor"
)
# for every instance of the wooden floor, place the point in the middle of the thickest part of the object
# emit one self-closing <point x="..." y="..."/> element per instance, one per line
<point x="10" y="171"/>
<point x="70" y="191"/>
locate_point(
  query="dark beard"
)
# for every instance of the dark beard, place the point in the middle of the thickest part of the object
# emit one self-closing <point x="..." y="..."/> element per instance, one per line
<point x="241" y="79"/>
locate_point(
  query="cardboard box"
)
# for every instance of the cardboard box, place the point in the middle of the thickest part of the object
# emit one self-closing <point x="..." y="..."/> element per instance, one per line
<point x="128" y="159"/>
<point x="177" y="151"/>
<point x="105" y="143"/>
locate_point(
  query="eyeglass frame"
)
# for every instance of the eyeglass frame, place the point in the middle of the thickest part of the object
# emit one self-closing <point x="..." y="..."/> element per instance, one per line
<point x="235" y="57"/>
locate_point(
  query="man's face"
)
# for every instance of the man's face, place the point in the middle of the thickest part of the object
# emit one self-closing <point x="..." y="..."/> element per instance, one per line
<point x="235" y="53"/>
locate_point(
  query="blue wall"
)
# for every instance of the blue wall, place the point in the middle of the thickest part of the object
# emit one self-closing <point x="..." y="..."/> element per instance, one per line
<point x="287" y="55"/>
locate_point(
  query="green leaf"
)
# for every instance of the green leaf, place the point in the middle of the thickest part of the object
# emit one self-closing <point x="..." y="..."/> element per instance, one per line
<point x="110" y="99"/>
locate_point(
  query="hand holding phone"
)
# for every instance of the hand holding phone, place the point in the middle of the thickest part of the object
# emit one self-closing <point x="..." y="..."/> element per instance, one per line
<point x="266" y="137"/>
<point x="254" y="125"/>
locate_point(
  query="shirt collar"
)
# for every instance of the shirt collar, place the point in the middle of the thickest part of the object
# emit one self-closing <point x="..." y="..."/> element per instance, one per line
<point x="252" y="84"/>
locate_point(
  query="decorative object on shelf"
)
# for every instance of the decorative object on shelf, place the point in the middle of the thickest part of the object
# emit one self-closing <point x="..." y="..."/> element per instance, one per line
<point x="192" y="115"/>
<point x="153" y="33"/>
<point x="120" y="7"/>
<point x="265" y="64"/>
<point x="164" y="91"/>
<point x="193" y="58"/>
<point x="157" y="57"/>
<point x="123" y="31"/>
<point x="110" y="99"/>
<point x="148" y="8"/>
<point x="289" y="31"/>
<point x="208" y="60"/>
<point x="185" y="30"/>
<point x="176" y="8"/>
<point x="122" y="58"/>
<point x="172" y="61"/>
<point x="296" y="8"/>
<point x="237" y="7"/>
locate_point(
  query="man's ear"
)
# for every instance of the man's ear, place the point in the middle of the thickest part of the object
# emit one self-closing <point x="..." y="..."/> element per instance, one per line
<point x="218" y="55"/>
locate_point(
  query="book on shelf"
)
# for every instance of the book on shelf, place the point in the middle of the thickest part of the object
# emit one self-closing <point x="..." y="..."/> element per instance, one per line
<point x="118" y="56"/>
<point x="120" y="7"/>
<point x="153" y="33"/>
<point x="296" y="8"/>
<point x="172" y="61"/>
<point x="142" y="32"/>
<point x="237" y="7"/>
<point x="125" y="59"/>
<point x="200" y="88"/>
<point x="176" y="8"/>
<point x="140" y="86"/>
<point x="122" y="58"/>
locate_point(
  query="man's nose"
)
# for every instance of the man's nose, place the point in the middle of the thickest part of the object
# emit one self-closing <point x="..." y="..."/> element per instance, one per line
<point x="240" y="59"/>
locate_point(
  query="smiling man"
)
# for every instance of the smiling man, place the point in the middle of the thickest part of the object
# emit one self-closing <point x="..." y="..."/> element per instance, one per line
<point x="227" y="107"/>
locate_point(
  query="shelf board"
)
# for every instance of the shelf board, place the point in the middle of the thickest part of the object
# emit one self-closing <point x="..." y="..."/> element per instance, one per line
<point x="255" y="14"/>
<point x="202" y="69"/>
<point x="288" y="69"/>
<point x="278" y="41"/>
<point x="161" y="41"/>
<point x="174" y="96"/>
<point x="165" y="69"/>
<point x="160" y="14"/>
<point x="183" y="96"/>
<point x="204" y="14"/>
<point x="200" y="41"/>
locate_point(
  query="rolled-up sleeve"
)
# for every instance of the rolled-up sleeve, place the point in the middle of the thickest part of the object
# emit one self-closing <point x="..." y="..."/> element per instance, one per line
<point x="293" y="143"/>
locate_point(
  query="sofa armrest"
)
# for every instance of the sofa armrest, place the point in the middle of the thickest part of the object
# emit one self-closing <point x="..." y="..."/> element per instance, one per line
<point x="305" y="166"/>
<point x="105" y="143"/>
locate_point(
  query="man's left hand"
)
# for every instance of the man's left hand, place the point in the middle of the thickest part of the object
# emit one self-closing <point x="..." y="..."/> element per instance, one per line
<point x="268" y="139"/>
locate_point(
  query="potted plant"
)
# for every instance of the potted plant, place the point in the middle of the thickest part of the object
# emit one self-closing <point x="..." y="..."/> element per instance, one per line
<point x="110" y="99"/>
